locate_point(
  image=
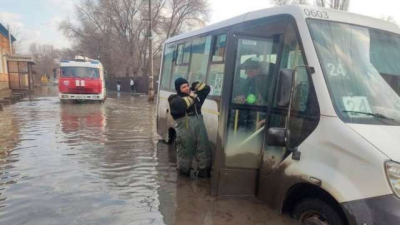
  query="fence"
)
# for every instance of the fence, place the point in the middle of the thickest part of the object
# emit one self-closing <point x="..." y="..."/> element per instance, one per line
<point x="141" y="84"/>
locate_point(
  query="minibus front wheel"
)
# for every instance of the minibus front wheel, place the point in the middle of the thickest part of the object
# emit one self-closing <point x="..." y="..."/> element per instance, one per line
<point x="313" y="211"/>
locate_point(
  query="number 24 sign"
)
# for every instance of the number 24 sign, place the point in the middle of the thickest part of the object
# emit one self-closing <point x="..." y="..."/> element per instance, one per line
<point x="356" y="104"/>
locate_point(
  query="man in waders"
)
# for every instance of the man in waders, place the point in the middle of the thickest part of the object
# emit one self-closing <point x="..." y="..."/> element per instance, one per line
<point x="191" y="134"/>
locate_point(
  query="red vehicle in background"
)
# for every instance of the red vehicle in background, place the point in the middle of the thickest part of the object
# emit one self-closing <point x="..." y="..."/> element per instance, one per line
<point x="81" y="79"/>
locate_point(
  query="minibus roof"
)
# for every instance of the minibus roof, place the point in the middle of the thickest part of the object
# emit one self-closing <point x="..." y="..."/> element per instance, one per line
<point x="298" y="12"/>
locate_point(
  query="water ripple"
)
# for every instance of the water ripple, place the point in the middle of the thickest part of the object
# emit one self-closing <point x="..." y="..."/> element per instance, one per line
<point x="78" y="163"/>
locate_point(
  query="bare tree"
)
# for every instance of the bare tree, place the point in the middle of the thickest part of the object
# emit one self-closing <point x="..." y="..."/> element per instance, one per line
<point x="20" y="39"/>
<point x="280" y="2"/>
<point x="300" y="2"/>
<point x="185" y="14"/>
<point x="93" y="36"/>
<point x="389" y="19"/>
<point x="288" y="2"/>
<point x="66" y="53"/>
<point x="44" y="56"/>
<point x="117" y="30"/>
<point x="334" y="4"/>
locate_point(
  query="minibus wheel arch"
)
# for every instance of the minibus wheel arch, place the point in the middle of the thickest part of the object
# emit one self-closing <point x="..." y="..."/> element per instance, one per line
<point x="302" y="191"/>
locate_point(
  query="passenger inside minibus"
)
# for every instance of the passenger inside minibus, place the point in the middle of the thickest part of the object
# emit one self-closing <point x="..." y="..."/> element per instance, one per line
<point x="252" y="89"/>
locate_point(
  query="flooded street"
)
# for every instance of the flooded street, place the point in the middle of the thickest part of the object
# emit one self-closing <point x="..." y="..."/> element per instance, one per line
<point x="103" y="164"/>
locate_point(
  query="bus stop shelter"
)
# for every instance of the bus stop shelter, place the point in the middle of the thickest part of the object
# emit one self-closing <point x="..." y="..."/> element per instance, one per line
<point x="20" y="72"/>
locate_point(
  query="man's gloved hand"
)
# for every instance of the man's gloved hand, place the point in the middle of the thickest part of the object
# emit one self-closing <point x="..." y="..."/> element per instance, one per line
<point x="197" y="86"/>
<point x="189" y="101"/>
<point x="194" y="84"/>
<point x="240" y="99"/>
<point x="193" y="95"/>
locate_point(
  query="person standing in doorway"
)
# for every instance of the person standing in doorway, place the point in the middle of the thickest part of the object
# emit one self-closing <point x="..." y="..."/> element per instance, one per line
<point x="132" y="83"/>
<point x="191" y="135"/>
<point x="119" y="85"/>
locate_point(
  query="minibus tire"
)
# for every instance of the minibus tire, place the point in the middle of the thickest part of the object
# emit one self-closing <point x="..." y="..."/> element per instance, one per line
<point x="313" y="211"/>
<point x="172" y="145"/>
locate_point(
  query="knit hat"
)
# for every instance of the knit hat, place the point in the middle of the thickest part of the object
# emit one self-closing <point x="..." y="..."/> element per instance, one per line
<point x="178" y="83"/>
<point x="251" y="63"/>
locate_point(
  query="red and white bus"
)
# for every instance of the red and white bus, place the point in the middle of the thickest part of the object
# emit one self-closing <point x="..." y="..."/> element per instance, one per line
<point x="82" y="79"/>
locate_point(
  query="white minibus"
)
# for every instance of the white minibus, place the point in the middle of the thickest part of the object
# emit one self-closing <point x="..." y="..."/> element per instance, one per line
<point x="304" y="110"/>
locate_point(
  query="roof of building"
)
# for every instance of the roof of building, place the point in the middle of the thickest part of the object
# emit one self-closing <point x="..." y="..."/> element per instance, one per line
<point x="4" y="32"/>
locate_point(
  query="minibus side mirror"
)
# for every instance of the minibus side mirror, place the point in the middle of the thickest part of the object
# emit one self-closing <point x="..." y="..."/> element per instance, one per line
<point x="284" y="86"/>
<point x="276" y="136"/>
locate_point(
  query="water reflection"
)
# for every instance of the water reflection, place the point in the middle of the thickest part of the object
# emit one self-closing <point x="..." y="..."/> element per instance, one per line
<point x="83" y="122"/>
<point x="9" y="131"/>
<point x="81" y="164"/>
<point x="188" y="201"/>
<point x="101" y="164"/>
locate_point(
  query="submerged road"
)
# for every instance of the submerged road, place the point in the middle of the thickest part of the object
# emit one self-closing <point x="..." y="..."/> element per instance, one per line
<point x="103" y="164"/>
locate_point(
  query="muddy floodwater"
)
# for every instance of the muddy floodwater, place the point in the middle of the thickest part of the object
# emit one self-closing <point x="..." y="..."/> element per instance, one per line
<point x="103" y="164"/>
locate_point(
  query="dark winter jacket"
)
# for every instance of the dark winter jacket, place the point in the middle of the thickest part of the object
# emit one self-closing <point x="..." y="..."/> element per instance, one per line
<point x="183" y="104"/>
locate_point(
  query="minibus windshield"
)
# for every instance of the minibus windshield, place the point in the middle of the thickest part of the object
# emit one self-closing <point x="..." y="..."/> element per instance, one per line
<point x="80" y="72"/>
<point x="362" y="70"/>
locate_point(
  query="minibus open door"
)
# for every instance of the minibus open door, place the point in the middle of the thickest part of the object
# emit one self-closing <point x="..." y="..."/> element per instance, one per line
<point x="238" y="158"/>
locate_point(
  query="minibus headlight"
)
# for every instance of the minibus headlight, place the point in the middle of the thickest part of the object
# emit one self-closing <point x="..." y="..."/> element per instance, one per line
<point x="393" y="174"/>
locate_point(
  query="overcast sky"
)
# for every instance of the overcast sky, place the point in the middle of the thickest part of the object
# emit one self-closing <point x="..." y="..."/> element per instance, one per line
<point x="38" y="19"/>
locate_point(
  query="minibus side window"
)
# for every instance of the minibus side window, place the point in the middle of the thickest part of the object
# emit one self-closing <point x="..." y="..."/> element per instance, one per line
<point x="186" y="52"/>
<point x="179" y="58"/>
<point x="216" y="78"/>
<point x="305" y="110"/>
<point x="219" y="48"/>
<point x="183" y="53"/>
<point x="167" y="64"/>
<point x="200" y="54"/>
<point x="216" y="72"/>
<point x="180" y="68"/>
<point x="384" y="53"/>
<point x="255" y="64"/>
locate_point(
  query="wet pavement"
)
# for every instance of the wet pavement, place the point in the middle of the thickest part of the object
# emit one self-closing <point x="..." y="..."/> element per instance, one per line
<point x="103" y="164"/>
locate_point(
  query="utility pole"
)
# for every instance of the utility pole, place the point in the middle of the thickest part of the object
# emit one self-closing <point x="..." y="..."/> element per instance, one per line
<point x="150" y="94"/>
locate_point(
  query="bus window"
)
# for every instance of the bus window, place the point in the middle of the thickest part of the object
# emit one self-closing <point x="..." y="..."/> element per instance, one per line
<point x="215" y="78"/>
<point x="179" y="71"/>
<point x="219" y="48"/>
<point x="385" y="52"/>
<point x="186" y="53"/>
<point x="179" y="58"/>
<point x="182" y="63"/>
<point x="199" y="62"/>
<point x="352" y="62"/>
<point x="305" y="109"/>
<point x="167" y="64"/>
<point x="183" y="53"/>
<point x="216" y="72"/>
<point x="253" y="72"/>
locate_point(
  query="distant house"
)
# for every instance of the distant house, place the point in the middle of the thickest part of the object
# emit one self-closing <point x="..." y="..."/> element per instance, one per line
<point x="15" y="70"/>
<point x="4" y="51"/>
